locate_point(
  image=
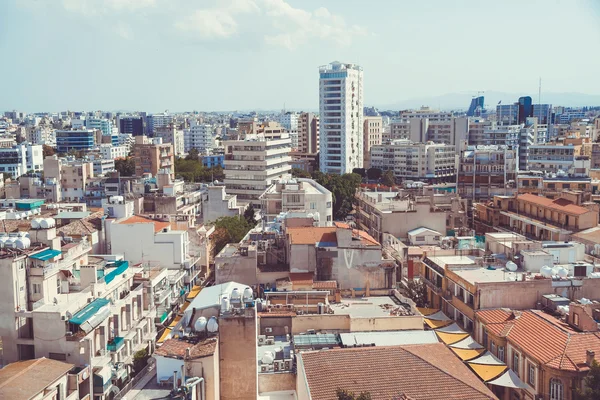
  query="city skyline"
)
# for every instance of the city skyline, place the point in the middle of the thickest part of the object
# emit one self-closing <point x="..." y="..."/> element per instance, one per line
<point x="155" y="55"/>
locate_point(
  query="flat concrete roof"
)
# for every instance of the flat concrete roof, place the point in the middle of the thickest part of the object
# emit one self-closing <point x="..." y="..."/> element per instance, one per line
<point x="366" y="307"/>
<point x="484" y="275"/>
<point x="389" y="338"/>
<point x="280" y="395"/>
<point x="453" y="260"/>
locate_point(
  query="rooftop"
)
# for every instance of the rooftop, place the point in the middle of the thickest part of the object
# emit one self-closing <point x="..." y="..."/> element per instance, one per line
<point x="174" y="348"/>
<point x="388" y="338"/>
<point x="418" y="371"/>
<point x="136" y="219"/>
<point x="370" y="307"/>
<point x="487" y="275"/>
<point x="26" y="379"/>
<point x="559" y="204"/>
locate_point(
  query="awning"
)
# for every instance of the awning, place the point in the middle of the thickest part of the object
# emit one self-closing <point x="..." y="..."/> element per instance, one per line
<point x="173" y="324"/>
<point x="194" y="292"/>
<point x="426" y="311"/>
<point x="164" y="336"/>
<point x="468" y="343"/>
<point x="450" y="338"/>
<point x="184" y="307"/>
<point x="509" y="379"/>
<point x="453" y="328"/>
<point x="91" y="315"/>
<point x="438" y="316"/>
<point x="434" y="324"/>
<point x="45" y="255"/>
<point x="488" y="359"/>
<point x="467" y="354"/>
<point x="121" y="267"/>
<point x="487" y="372"/>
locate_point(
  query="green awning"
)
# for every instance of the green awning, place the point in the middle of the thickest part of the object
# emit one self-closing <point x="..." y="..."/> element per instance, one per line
<point x="91" y="315"/>
<point x="45" y="255"/>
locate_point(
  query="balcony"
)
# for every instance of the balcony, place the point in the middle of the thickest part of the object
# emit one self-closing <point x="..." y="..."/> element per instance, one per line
<point x="116" y="344"/>
<point x="162" y="295"/>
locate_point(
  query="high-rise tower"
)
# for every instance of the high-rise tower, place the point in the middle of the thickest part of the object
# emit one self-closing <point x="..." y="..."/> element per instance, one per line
<point x="341" y="117"/>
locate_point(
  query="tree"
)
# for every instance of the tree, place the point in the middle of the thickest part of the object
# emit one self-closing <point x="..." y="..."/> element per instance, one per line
<point x="125" y="166"/>
<point x="47" y="150"/>
<point x="360" y="171"/>
<point x="230" y="230"/>
<point x="374" y="173"/>
<point x="417" y="292"/>
<point x="140" y="359"/>
<point x="249" y="214"/>
<point x="388" y="178"/>
<point x="343" y="394"/>
<point x="299" y="173"/>
<point x="591" y="384"/>
<point x="193" y="155"/>
<point x="342" y="188"/>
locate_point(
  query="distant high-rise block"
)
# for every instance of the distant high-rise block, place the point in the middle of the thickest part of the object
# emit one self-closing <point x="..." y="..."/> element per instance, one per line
<point x="341" y="117"/>
<point x="131" y="125"/>
<point x="476" y="107"/>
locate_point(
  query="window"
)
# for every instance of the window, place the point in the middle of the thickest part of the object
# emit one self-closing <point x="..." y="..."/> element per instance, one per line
<point x="420" y="239"/>
<point x="575" y="319"/>
<point x="37" y="288"/>
<point x="329" y="218"/>
<point x="515" y="364"/>
<point x="493" y="348"/>
<point x="485" y="338"/>
<point x="501" y="353"/>
<point x="556" y="389"/>
<point x="531" y="376"/>
<point x="328" y="204"/>
<point x="57" y="356"/>
<point x="313" y="206"/>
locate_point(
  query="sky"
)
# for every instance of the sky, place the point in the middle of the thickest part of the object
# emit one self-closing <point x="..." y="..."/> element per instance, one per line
<point x="214" y="55"/>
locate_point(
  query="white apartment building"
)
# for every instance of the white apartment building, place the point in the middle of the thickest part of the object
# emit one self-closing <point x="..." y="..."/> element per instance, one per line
<point x="372" y="137"/>
<point x="20" y="159"/>
<point x="220" y="204"/>
<point x="110" y="152"/>
<point x="555" y="158"/>
<point x="426" y="112"/>
<point x="103" y="166"/>
<point x="411" y="160"/>
<point x="341" y="113"/>
<point x="298" y="195"/>
<point x="251" y="165"/>
<point x="199" y="137"/>
<point x="171" y="134"/>
<point x="127" y="140"/>
<point x="289" y="120"/>
<point x="439" y="128"/>
<point x="43" y="135"/>
<point x="308" y="133"/>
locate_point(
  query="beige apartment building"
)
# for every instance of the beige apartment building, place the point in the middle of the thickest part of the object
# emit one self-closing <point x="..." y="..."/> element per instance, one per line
<point x="371" y="137"/>
<point x="308" y="133"/>
<point x="152" y="158"/>
<point x="71" y="177"/>
<point x="173" y="135"/>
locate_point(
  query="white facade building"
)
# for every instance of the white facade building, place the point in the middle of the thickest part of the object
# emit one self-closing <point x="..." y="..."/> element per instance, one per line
<point x="127" y="140"/>
<point x="110" y="152"/>
<point x="43" y="135"/>
<point x="289" y="121"/>
<point x="103" y="166"/>
<point x="251" y="165"/>
<point x="220" y="204"/>
<point x="341" y="113"/>
<point x="295" y="195"/>
<point x="20" y="159"/>
<point x="199" y="137"/>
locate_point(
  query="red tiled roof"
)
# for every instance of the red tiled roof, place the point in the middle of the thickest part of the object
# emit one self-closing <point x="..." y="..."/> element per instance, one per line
<point x="136" y="219"/>
<point x="559" y="204"/>
<point x="311" y="235"/>
<point x="417" y="371"/>
<point x="325" y="285"/>
<point x="302" y="278"/>
<point x="365" y="238"/>
<point x="175" y="348"/>
<point x="550" y="342"/>
<point x="494" y="316"/>
<point x="343" y="225"/>
<point x="27" y="379"/>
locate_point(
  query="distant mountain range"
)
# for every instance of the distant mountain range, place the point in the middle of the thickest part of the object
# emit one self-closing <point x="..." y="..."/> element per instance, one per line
<point x="455" y="101"/>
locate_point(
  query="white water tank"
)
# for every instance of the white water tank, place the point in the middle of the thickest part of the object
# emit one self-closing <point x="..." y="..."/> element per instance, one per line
<point x="35" y="223"/>
<point x="562" y="272"/>
<point x="225" y="304"/>
<point x="3" y="240"/>
<point x="511" y="266"/>
<point x="268" y="357"/>
<point x="236" y="296"/>
<point x="22" y="243"/>
<point x="212" y="326"/>
<point x="594" y="275"/>
<point x="248" y="295"/>
<point x="546" y="271"/>
<point x="554" y="270"/>
<point x="10" y="242"/>
<point x="44" y="223"/>
<point x="200" y="325"/>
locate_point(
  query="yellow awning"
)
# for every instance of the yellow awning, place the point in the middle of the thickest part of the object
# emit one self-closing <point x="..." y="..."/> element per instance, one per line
<point x="467" y="354"/>
<point x="185" y="305"/>
<point x="450" y="338"/>
<point x="426" y="311"/>
<point x="487" y="372"/>
<point x="433" y="324"/>
<point x="175" y="321"/>
<point x="164" y="336"/>
<point x="194" y="292"/>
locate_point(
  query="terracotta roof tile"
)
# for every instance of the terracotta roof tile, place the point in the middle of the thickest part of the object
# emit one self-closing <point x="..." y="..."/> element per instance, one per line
<point x="559" y="204"/>
<point x="325" y="285"/>
<point x="419" y="372"/>
<point x="312" y="235"/>
<point x="302" y="278"/>
<point x="26" y="379"/>
<point x="136" y="219"/>
<point x="494" y="316"/>
<point x="175" y="348"/>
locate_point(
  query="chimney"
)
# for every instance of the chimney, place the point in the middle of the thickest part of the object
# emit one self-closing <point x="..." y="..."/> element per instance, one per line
<point x="589" y="357"/>
<point x="175" y="380"/>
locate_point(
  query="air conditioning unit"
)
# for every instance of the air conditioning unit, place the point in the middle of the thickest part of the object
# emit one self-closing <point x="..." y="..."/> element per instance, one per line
<point x="290" y="306"/>
<point x="269" y="341"/>
<point x="261" y="339"/>
<point x="264" y="368"/>
<point x="278" y="306"/>
<point x="278" y="365"/>
<point x="287" y="365"/>
<point x="268" y="330"/>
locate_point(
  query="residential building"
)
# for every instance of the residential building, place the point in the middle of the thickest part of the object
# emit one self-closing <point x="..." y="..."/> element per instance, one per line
<point x="71" y="176"/>
<point x="220" y="204"/>
<point x="251" y="165"/>
<point x="43" y="378"/>
<point x="308" y="133"/>
<point x="372" y="137"/>
<point x="341" y="111"/>
<point x="199" y="137"/>
<point x="297" y="194"/>
<point x="426" y="113"/>
<point x="550" y="355"/>
<point x="538" y="217"/>
<point x="127" y="140"/>
<point x="476" y="107"/>
<point x="289" y="120"/>
<point x="486" y="171"/>
<point x="552" y="185"/>
<point x="20" y="159"/>
<point x="419" y="161"/>
<point x="103" y="166"/>
<point x="155" y="121"/>
<point x="77" y="140"/>
<point x="396" y="213"/>
<point x="429" y="125"/>
<point x="215" y="160"/>
<point x="42" y="135"/>
<point x="402" y="366"/>
<point x="171" y="134"/>
<point x="152" y="158"/>
<point x="554" y="158"/>
<point x="110" y="152"/>
<point x="518" y="137"/>
<point x="131" y="125"/>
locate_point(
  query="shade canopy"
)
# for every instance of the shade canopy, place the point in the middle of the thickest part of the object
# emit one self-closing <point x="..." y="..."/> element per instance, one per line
<point x="438" y="316"/>
<point x="488" y="358"/>
<point x="467" y="354"/>
<point x="467" y="343"/>
<point x="450" y="338"/>
<point x="509" y="379"/>
<point x="434" y="324"/>
<point x="487" y="372"/>
<point x="453" y="328"/>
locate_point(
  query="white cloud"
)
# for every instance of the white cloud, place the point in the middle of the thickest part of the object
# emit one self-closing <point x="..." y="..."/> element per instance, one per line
<point x="95" y="7"/>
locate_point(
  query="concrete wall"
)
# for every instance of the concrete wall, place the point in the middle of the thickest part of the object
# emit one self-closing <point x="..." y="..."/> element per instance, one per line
<point x="276" y="382"/>
<point x="399" y="223"/>
<point x="280" y="325"/>
<point x="386" y="324"/>
<point x="302" y="258"/>
<point x="208" y="368"/>
<point x="237" y="268"/>
<point x="325" y="322"/>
